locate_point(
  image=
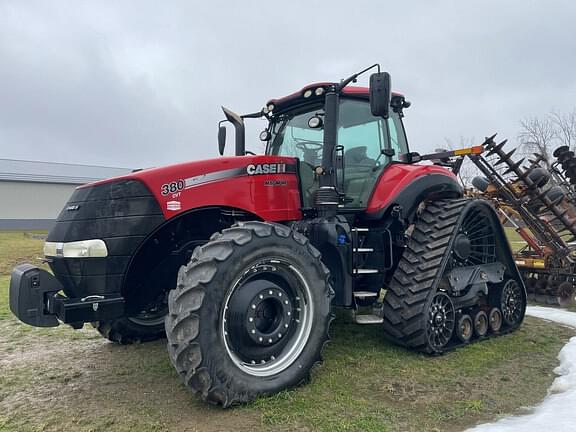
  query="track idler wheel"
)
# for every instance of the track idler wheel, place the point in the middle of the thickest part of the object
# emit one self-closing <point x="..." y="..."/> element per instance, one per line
<point x="481" y="324"/>
<point x="512" y="303"/>
<point x="495" y="320"/>
<point x="440" y="326"/>
<point x="465" y="328"/>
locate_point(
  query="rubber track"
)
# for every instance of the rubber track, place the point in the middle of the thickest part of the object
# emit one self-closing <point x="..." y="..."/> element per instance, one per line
<point x="183" y="321"/>
<point x="416" y="278"/>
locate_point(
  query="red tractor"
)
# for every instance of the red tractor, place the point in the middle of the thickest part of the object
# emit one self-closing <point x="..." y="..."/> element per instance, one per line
<point x="239" y="260"/>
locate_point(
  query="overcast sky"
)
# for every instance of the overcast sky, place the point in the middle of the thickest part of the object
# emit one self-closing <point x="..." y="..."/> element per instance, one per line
<point x="138" y="83"/>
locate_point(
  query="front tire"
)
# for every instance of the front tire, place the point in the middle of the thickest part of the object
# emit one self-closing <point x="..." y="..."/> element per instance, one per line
<point x="250" y="314"/>
<point x="144" y="327"/>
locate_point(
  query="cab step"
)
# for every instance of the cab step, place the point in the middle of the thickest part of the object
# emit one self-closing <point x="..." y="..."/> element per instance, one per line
<point x="362" y="271"/>
<point x="365" y="294"/>
<point x="368" y="319"/>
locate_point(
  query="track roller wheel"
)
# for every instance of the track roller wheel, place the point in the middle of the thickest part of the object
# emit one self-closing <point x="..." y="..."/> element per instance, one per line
<point x="481" y="324"/>
<point x="495" y="320"/>
<point x="250" y="314"/>
<point x="464" y="328"/>
<point x="512" y="303"/>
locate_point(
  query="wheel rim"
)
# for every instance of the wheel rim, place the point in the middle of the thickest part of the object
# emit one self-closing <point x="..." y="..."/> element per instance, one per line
<point x="481" y="323"/>
<point x="465" y="328"/>
<point x="151" y="317"/>
<point x="495" y="319"/>
<point x="440" y="321"/>
<point x="267" y="317"/>
<point x="512" y="303"/>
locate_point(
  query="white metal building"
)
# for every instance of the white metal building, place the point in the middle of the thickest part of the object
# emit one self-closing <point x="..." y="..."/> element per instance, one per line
<point x="33" y="193"/>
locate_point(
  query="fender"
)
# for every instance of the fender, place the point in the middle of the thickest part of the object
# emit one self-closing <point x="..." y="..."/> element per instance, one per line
<point x="154" y="263"/>
<point x="409" y="185"/>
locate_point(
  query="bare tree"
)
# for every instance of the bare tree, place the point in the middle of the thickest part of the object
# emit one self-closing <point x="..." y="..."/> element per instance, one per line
<point x="565" y="126"/>
<point x="537" y="135"/>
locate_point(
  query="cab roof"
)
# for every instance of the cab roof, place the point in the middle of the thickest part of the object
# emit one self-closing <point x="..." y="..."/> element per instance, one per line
<point x="298" y="97"/>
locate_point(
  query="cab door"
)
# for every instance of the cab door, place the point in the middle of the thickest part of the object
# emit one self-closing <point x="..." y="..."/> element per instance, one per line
<point x="364" y="139"/>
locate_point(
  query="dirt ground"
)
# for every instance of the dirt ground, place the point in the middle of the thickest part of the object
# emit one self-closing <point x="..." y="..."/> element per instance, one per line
<point x="89" y="384"/>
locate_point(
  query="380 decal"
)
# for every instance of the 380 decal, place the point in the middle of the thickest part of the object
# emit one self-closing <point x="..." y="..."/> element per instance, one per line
<point x="172" y="187"/>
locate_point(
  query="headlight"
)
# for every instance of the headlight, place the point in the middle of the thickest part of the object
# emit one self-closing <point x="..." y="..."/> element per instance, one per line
<point x="78" y="249"/>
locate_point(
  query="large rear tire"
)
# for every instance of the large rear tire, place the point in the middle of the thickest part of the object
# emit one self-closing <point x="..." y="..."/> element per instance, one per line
<point x="250" y="314"/>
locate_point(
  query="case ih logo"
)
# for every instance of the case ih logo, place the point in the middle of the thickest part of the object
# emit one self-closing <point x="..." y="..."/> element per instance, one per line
<point x="173" y="205"/>
<point x="273" y="168"/>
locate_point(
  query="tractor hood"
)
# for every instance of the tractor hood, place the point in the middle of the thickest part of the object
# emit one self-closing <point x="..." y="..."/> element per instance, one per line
<point x="243" y="182"/>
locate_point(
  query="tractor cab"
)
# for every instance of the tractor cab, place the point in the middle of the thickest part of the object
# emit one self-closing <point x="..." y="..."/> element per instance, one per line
<point x="365" y="143"/>
<point x="342" y="136"/>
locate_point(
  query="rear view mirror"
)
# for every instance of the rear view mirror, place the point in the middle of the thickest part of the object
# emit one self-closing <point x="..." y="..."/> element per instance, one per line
<point x="221" y="139"/>
<point x="380" y="94"/>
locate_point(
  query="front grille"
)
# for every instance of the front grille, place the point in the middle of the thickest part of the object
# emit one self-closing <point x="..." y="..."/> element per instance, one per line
<point x="122" y="214"/>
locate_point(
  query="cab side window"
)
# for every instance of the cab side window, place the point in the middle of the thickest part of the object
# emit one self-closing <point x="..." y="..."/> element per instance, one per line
<point x="397" y="137"/>
<point x="363" y="137"/>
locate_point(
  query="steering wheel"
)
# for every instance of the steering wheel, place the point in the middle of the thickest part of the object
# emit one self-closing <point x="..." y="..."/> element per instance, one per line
<point x="309" y="145"/>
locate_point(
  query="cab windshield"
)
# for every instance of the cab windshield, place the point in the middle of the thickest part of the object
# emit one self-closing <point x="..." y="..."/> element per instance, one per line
<point x="362" y="135"/>
<point x="357" y="127"/>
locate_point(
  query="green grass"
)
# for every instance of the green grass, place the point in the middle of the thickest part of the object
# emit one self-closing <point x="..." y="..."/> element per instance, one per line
<point x="18" y="247"/>
<point x="516" y="242"/>
<point x="369" y="385"/>
<point x="61" y="379"/>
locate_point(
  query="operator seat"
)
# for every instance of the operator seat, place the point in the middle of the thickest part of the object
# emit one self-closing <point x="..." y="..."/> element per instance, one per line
<point x="310" y="156"/>
<point x="309" y="183"/>
<point x="358" y="169"/>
